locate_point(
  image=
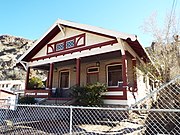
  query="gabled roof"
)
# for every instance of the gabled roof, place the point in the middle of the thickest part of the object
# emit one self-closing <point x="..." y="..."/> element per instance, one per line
<point x="54" y="29"/>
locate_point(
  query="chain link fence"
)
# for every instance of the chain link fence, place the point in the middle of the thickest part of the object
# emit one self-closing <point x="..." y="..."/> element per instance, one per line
<point x="158" y="113"/>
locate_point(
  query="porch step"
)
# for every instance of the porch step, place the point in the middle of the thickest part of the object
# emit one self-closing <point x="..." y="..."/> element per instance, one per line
<point x="58" y="101"/>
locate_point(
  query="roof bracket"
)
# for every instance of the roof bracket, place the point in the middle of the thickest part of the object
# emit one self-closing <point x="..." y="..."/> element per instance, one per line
<point x="61" y="28"/>
<point x="24" y="64"/>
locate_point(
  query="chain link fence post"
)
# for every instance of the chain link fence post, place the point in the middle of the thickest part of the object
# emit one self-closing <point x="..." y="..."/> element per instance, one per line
<point x="70" y="126"/>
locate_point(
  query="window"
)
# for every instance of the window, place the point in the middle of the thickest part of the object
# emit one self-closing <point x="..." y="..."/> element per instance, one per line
<point x="70" y="44"/>
<point x="64" y="79"/>
<point x="114" y="75"/>
<point x="92" y="75"/>
<point x="59" y="46"/>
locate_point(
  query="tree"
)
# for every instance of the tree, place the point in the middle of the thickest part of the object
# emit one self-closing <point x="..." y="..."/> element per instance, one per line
<point x="164" y="52"/>
<point x="35" y="82"/>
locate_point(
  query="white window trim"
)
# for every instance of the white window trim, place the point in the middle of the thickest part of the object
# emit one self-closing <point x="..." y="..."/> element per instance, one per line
<point x="110" y="65"/>
<point x="60" y="78"/>
<point x="93" y="71"/>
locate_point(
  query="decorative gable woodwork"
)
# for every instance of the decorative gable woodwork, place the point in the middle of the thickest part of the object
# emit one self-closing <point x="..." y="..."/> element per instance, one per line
<point x="66" y="44"/>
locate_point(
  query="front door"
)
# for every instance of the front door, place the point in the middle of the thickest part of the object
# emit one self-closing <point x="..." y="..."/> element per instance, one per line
<point x="64" y="83"/>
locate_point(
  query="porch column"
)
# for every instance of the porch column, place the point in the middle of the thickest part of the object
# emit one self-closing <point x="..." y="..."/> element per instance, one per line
<point x="27" y="78"/>
<point x="124" y="76"/>
<point x="47" y="80"/>
<point x="51" y="69"/>
<point x="134" y="72"/>
<point x="78" y="67"/>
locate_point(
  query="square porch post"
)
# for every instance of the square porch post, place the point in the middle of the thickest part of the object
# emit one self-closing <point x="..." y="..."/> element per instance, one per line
<point x="51" y="69"/>
<point x="124" y="76"/>
<point x="78" y="68"/>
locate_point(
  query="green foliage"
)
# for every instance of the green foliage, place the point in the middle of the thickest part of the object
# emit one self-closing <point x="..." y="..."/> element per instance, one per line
<point x="89" y="95"/>
<point x="27" y="100"/>
<point x="35" y="82"/>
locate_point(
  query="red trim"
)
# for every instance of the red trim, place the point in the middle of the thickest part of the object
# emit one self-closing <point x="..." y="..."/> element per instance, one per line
<point x="135" y="45"/>
<point x="78" y="68"/>
<point x="79" y="49"/>
<point x="42" y="43"/>
<point x="123" y="97"/>
<point x="115" y="89"/>
<point x="50" y="46"/>
<point x="115" y="97"/>
<point x="47" y="80"/>
<point x="38" y="91"/>
<point x="64" y="41"/>
<point x="51" y="69"/>
<point x="27" y="78"/>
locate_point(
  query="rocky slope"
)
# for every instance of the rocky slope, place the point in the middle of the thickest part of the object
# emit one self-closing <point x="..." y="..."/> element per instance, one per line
<point x="11" y="48"/>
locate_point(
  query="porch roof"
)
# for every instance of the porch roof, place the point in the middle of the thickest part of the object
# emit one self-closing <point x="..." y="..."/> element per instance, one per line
<point x="58" y="26"/>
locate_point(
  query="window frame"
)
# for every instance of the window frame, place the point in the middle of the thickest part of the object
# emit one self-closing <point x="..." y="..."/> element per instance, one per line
<point x="110" y="65"/>
<point x="60" y="79"/>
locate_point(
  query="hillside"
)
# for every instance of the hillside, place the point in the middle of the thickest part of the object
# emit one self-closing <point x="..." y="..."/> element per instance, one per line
<point x="11" y="48"/>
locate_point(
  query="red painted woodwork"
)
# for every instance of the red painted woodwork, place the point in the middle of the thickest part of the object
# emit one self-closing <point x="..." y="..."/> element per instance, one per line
<point x="136" y="46"/>
<point x="38" y="93"/>
<point x="51" y="69"/>
<point x="47" y="80"/>
<point x="27" y="78"/>
<point x="76" y="39"/>
<point x="78" y="68"/>
<point x="79" y="49"/>
<point x="42" y="43"/>
<point x="115" y="89"/>
<point x="113" y="97"/>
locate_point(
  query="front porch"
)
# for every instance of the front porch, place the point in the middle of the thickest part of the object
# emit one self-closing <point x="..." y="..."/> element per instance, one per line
<point x="113" y="69"/>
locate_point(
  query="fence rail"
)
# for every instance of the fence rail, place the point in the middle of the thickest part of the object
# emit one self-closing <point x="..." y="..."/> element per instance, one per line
<point x="158" y="113"/>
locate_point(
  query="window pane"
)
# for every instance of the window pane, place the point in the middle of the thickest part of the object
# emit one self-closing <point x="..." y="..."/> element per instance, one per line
<point x="59" y="46"/>
<point x="70" y="44"/>
<point x="92" y="78"/>
<point x="114" y="75"/>
<point x="64" y="80"/>
<point x="93" y="70"/>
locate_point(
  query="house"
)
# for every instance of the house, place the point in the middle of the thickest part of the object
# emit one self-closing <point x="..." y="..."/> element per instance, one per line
<point x="79" y="54"/>
<point x="14" y="86"/>
<point x="7" y="99"/>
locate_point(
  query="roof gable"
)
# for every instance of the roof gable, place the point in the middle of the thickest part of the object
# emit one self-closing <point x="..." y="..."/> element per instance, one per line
<point x="58" y="27"/>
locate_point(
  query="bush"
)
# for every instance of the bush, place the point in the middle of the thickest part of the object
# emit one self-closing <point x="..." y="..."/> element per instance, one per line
<point x="26" y="100"/>
<point x="89" y="95"/>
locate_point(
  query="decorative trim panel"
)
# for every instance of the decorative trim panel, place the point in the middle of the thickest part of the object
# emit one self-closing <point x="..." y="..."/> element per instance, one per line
<point x="66" y="44"/>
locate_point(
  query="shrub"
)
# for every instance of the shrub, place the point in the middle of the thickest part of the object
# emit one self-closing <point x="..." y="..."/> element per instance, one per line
<point x="35" y="82"/>
<point x="89" y="95"/>
<point x="26" y="100"/>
